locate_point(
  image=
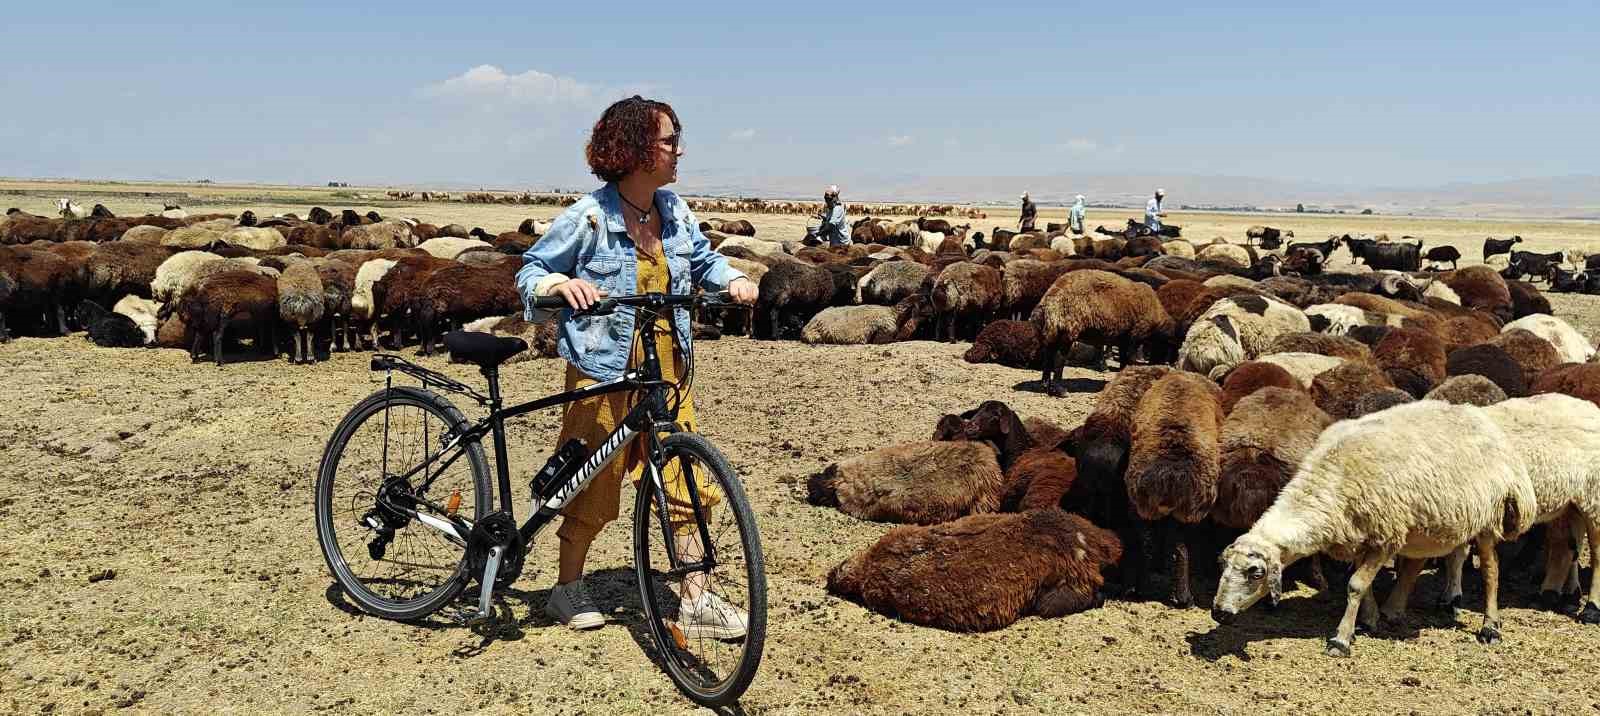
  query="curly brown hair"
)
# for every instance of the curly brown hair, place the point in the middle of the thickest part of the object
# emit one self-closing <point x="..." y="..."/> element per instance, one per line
<point x="624" y="139"/>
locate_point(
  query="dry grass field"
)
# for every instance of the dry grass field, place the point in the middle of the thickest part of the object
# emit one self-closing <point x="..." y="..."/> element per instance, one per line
<point x="192" y="484"/>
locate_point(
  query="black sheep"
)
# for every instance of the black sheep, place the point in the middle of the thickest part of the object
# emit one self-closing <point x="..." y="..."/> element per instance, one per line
<point x="108" y="329"/>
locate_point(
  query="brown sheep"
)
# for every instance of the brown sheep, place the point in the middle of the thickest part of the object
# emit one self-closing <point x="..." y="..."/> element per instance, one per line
<point x="1038" y="479"/>
<point x="1413" y="359"/>
<point x="1460" y="331"/>
<point x="791" y="293"/>
<point x="1172" y="470"/>
<point x="1263" y="441"/>
<point x="953" y="576"/>
<point x="1467" y="390"/>
<point x="1025" y="281"/>
<point x="1097" y="307"/>
<point x="1251" y="376"/>
<point x="1100" y="447"/>
<point x="1336" y="390"/>
<point x="1014" y="344"/>
<point x="1534" y="354"/>
<point x="338" y="286"/>
<point x="1379" y="400"/>
<point x="965" y="293"/>
<point x="301" y="304"/>
<point x="460" y="293"/>
<point x="38" y="279"/>
<point x="1526" y="300"/>
<point x="1490" y="362"/>
<point x="117" y="269"/>
<point x="1481" y="288"/>
<point x="401" y="289"/>
<point x="1579" y="380"/>
<point x="229" y="299"/>
<point x="1322" y="344"/>
<point x="913" y="483"/>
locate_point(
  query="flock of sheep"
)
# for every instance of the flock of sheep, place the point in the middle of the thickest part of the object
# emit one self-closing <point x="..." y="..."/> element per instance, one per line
<point x="1257" y="394"/>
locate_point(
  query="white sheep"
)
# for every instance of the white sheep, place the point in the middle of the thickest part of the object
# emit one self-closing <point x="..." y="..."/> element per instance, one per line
<point x="175" y="275"/>
<point x="143" y="311"/>
<point x="759" y="247"/>
<point x="254" y="238"/>
<point x="70" y="209"/>
<point x="1340" y="318"/>
<point x="1569" y="343"/>
<point x="1366" y="494"/>
<point x="1230" y="254"/>
<point x="1236" y="329"/>
<point x="450" y="247"/>
<point x="1305" y="367"/>
<point x="371" y="272"/>
<point x="929" y="240"/>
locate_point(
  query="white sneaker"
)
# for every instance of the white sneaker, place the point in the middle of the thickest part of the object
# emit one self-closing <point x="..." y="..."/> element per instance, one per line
<point x="711" y="617"/>
<point x="570" y="605"/>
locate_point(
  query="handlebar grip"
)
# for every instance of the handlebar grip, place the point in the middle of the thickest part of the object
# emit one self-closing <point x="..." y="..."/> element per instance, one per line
<point x="549" y="302"/>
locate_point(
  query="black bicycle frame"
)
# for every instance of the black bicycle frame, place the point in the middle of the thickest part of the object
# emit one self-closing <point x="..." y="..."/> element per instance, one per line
<point x="641" y="420"/>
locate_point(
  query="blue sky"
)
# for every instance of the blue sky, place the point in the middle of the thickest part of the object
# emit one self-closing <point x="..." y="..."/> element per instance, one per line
<point x="1354" y="93"/>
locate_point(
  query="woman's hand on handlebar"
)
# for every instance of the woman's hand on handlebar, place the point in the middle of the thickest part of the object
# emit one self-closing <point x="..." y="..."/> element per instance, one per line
<point x="744" y="291"/>
<point x="579" y="294"/>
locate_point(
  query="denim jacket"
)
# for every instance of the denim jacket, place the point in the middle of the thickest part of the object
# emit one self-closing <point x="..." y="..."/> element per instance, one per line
<point x="590" y="241"/>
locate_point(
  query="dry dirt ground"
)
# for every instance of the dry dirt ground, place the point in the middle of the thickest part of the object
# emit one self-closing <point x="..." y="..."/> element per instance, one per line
<point x="193" y="484"/>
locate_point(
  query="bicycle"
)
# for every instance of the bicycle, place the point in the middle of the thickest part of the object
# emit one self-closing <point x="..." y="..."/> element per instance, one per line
<point x="409" y="514"/>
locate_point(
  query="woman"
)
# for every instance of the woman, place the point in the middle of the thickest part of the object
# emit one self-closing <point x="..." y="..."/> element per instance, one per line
<point x="628" y="237"/>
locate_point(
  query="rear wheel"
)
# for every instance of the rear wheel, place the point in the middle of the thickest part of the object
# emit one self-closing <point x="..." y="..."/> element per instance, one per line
<point x="712" y="661"/>
<point x="389" y="564"/>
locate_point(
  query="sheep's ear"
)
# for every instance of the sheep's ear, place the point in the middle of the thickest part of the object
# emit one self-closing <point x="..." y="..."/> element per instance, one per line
<point x="1274" y="581"/>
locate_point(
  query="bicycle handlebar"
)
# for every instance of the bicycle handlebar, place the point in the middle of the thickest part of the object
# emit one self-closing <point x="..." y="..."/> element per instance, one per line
<point x="645" y="300"/>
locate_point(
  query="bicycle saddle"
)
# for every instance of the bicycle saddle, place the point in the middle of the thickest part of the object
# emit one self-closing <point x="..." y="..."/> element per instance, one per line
<point x="483" y="349"/>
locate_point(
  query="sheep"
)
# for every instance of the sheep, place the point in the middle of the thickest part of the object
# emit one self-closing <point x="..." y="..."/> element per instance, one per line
<point x="1172" y="469"/>
<point x="1228" y="255"/>
<point x="967" y="293"/>
<point x="173" y="275"/>
<point x="143" y="312"/>
<point x="1100" y="447"/>
<point x="381" y="235"/>
<point x="363" y="305"/>
<point x="38" y="278"/>
<point x="144" y="234"/>
<point x="1490" y="362"/>
<point x="851" y="325"/>
<point x="913" y="483"/>
<point x="1526" y="300"/>
<point x="1379" y="400"/>
<point x="1267" y="236"/>
<point x="1440" y="254"/>
<point x="1570" y="345"/>
<point x="1010" y="343"/>
<point x="1337" y="319"/>
<point x="1262" y="442"/>
<point x="790" y="294"/>
<point x="224" y="299"/>
<point x="1366" y="494"/>
<point x="1533" y="353"/>
<point x="401" y="291"/>
<point x="301" y="304"/>
<point x="948" y="576"/>
<point x="191" y="237"/>
<point x="1322" y="344"/>
<point x="108" y="329"/>
<point x="540" y="337"/>
<point x="1025" y="281"/>
<point x="1482" y="289"/>
<point x="1414" y="360"/>
<point x="451" y="247"/>
<point x="1039" y="478"/>
<point x="1460" y="331"/>
<point x="1305" y="367"/>
<point x="253" y="238"/>
<point x="1467" y="389"/>
<point x="454" y="293"/>
<point x="1237" y="329"/>
<point x="338" y="286"/>
<point x="1251" y="376"/>
<point x="1579" y="380"/>
<point x="761" y="247"/>
<point x="891" y="282"/>
<point x="1098" y="307"/>
<point x="1337" y="389"/>
<point x="1230" y="280"/>
<point x="1179" y="248"/>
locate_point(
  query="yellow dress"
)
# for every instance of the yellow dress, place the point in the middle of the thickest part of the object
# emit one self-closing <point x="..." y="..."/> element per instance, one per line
<point x="592" y="419"/>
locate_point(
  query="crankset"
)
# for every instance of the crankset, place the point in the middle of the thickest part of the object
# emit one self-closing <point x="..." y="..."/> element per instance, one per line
<point x="495" y="552"/>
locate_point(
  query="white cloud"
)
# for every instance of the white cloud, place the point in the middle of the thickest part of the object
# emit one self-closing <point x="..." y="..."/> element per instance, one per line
<point x="487" y="83"/>
<point x="1078" y="145"/>
<point x="900" y="140"/>
<point x="742" y="135"/>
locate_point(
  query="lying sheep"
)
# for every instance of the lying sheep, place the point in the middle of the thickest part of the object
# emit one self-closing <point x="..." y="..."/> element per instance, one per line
<point x="952" y="575"/>
<point x="1481" y="288"/>
<point x="1305" y="367"/>
<point x="1235" y="330"/>
<point x="108" y="329"/>
<point x="1491" y="363"/>
<point x="143" y="312"/>
<point x="1380" y="400"/>
<point x="1413" y="359"/>
<point x="913" y="483"/>
<point x="890" y="283"/>
<point x="253" y="238"/>
<point x="450" y="247"/>
<point x="1570" y="345"/>
<point x="1251" y="376"/>
<point x="1321" y="344"/>
<point x="1097" y="307"/>
<point x="1467" y="390"/>
<point x="1014" y="344"/>
<point x="1534" y="354"/>
<point x="1172" y="469"/>
<point x="1579" y="380"/>
<point x="1350" y="501"/>
<point x="851" y="325"/>
<point x="1337" y="390"/>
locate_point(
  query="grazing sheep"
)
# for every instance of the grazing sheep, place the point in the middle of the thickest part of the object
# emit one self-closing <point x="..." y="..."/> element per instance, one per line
<point x="1467" y="389"/>
<point x="1237" y="329"/>
<point x="301" y="304"/>
<point x="229" y="299"/>
<point x="1322" y="344"/>
<point x="1570" y="345"/>
<point x="1305" y="367"/>
<point x="967" y="294"/>
<point x="1534" y="354"/>
<point x="1353" y="501"/>
<point x="338" y="287"/>
<point x="1097" y="307"/>
<point x="117" y="269"/>
<point x="1380" y="400"/>
<point x="380" y="235"/>
<point x="1172" y="470"/>
<point x="363" y="305"/>
<point x="891" y="282"/>
<point x="950" y="576"/>
<point x="37" y="296"/>
<point x="1025" y="281"/>
<point x="791" y="293"/>
<point x="913" y="483"/>
<point x="1251" y="376"/>
<point x="851" y="325"/>
<point x="453" y="293"/>
<point x="1010" y="343"/>
<point x="1100" y="447"/>
<point x="1337" y="390"/>
<point x="108" y="329"/>
<point x="253" y="238"/>
<point x="143" y="311"/>
<point x="1262" y="442"/>
<point x="1490" y="362"/>
<point x="1414" y="360"/>
<point x="173" y="276"/>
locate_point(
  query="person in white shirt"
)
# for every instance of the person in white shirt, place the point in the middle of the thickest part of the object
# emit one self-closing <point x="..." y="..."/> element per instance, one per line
<point x="1153" y="213"/>
<point x="1075" y="216"/>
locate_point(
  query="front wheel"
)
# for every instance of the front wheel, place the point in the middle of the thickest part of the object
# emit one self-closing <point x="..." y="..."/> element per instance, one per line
<point x="706" y="609"/>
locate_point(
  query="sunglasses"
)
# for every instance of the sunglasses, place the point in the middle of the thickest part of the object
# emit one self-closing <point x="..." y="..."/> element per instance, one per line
<point x="672" y="141"/>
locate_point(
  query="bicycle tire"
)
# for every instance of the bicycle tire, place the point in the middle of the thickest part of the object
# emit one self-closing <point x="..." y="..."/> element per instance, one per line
<point x="729" y="688"/>
<point x="376" y="405"/>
